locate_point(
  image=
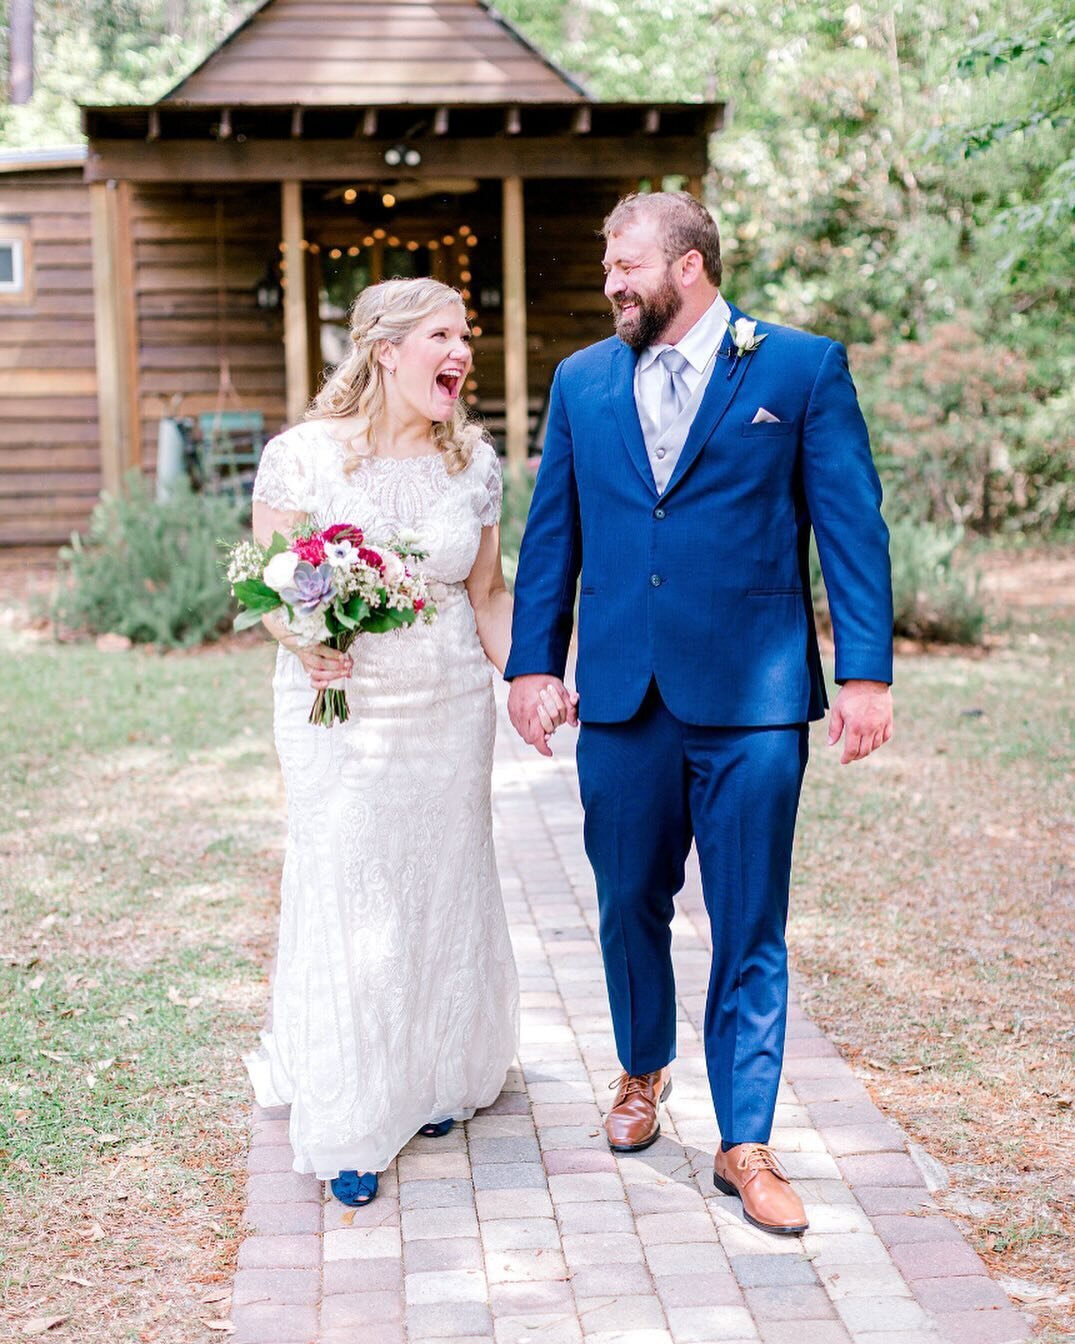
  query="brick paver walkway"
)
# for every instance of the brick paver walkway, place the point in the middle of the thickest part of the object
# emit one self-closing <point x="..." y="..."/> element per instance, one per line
<point x="521" y="1227"/>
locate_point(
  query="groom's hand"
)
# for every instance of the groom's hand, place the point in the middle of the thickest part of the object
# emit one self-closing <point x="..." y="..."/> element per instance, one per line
<point x="528" y="710"/>
<point x="862" y="710"/>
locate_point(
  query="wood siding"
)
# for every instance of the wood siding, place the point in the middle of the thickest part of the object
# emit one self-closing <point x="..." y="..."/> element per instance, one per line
<point x="49" y="454"/>
<point x="329" y="52"/>
<point x="195" y="276"/>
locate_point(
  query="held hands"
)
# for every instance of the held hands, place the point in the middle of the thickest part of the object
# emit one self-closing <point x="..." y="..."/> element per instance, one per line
<point x="864" y="710"/>
<point x="324" y="665"/>
<point x="538" y="705"/>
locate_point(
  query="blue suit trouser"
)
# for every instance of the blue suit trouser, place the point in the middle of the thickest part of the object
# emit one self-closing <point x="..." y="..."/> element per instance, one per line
<point x="649" y="787"/>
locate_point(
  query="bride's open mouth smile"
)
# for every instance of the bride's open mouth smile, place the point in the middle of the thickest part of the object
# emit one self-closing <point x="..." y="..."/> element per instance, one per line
<point x="450" y="382"/>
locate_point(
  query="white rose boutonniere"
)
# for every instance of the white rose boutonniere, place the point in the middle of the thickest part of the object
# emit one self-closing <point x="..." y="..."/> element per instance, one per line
<point x="744" y="340"/>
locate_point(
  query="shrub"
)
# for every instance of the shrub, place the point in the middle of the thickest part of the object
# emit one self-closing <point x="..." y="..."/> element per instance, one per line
<point x="149" y="570"/>
<point x="934" y="592"/>
<point x="518" y="492"/>
<point x="962" y="437"/>
<point x="934" y="597"/>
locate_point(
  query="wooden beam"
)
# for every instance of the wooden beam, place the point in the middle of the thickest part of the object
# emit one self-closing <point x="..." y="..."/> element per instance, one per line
<point x="296" y="329"/>
<point x="116" y="331"/>
<point x="252" y="160"/>
<point x="694" y="186"/>
<point x="514" y="263"/>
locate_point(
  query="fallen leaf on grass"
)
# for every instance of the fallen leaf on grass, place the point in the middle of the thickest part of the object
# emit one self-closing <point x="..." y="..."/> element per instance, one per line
<point x="95" y="1232"/>
<point x="73" y="1278"/>
<point x="40" y="1324"/>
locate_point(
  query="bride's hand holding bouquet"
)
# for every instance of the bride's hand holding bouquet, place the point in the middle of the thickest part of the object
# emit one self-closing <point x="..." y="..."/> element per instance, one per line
<point x="330" y="586"/>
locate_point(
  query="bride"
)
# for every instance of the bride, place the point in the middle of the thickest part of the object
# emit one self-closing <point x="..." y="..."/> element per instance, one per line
<point x="395" y="999"/>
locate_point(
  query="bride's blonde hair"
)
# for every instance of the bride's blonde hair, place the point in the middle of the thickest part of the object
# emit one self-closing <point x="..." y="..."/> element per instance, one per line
<point x="390" y="311"/>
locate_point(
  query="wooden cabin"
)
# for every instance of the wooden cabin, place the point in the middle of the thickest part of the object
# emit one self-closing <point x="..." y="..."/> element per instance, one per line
<point x="199" y="255"/>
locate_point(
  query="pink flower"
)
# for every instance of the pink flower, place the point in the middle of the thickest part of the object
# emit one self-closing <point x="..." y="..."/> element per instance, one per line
<point x="343" y="532"/>
<point x="370" y="558"/>
<point x="311" y="549"/>
<point x="419" y="604"/>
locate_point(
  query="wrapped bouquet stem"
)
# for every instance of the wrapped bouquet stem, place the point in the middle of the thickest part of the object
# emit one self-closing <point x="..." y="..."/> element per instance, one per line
<point x="332" y="586"/>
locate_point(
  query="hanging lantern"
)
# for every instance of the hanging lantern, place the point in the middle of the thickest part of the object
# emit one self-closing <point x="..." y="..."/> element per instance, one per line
<point x="267" y="291"/>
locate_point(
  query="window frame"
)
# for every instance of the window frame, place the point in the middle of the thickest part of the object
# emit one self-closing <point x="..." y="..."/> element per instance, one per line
<point x="15" y="233"/>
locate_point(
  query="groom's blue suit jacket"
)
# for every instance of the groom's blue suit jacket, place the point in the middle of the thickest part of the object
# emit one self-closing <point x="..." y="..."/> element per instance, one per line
<point x="706" y="586"/>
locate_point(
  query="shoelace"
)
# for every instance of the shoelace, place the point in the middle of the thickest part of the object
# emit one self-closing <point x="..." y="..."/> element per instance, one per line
<point x="758" y="1157"/>
<point x="630" y="1083"/>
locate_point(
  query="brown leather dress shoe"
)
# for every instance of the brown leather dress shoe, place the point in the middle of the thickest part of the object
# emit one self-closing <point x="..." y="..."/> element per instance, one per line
<point x="632" y="1124"/>
<point x="751" y="1171"/>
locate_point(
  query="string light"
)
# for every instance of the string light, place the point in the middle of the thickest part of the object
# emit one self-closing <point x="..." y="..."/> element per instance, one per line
<point x="388" y="200"/>
<point x="393" y="242"/>
<point x="350" y="195"/>
<point x="352" y="251"/>
<point x="379" y="234"/>
<point x="335" y="254"/>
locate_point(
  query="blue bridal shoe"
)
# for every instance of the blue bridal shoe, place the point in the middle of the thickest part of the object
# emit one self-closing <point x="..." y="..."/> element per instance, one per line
<point x="436" y="1129"/>
<point x="355" y="1187"/>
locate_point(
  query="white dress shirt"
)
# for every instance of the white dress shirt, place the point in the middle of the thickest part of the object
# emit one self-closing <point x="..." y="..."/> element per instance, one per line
<point x="697" y="348"/>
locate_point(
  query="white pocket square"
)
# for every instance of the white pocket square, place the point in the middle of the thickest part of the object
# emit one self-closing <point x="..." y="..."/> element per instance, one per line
<point x="764" y="417"/>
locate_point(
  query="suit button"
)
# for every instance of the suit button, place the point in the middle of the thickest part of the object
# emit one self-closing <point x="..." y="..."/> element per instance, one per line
<point x="658" y="513"/>
<point x="655" y="579"/>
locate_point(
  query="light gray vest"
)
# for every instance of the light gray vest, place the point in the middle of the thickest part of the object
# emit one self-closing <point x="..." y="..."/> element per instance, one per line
<point x="664" y="449"/>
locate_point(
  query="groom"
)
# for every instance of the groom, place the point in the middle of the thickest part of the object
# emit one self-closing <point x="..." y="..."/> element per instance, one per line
<point x="686" y="461"/>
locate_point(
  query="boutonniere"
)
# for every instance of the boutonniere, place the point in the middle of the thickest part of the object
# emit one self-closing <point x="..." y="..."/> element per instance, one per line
<point x="744" y="340"/>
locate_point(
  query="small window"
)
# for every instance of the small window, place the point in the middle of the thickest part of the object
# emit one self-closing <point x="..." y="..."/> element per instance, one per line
<point x="14" y="261"/>
<point x="11" y="268"/>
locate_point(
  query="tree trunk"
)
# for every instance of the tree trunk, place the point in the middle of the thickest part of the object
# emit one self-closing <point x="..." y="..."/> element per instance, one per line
<point x="21" y="49"/>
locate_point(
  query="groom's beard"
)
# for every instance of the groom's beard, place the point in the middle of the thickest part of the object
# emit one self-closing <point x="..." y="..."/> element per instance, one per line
<point x="654" y="315"/>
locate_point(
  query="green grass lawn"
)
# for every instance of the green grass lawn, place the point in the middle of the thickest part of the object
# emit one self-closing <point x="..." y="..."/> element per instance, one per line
<point x="140" y="850"/>
<point x="934" y="923"/>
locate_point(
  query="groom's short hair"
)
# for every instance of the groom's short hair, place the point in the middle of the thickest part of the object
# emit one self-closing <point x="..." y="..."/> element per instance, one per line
<point x="685" y="225"/>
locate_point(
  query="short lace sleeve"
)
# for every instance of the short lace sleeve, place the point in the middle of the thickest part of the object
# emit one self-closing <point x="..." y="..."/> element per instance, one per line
<point x="284" y="479"/>
<point x="488" y="465"/>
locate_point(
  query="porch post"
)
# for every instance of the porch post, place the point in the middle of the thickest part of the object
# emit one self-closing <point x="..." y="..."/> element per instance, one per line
<point x="296" y="329"/>
<point x="516" y="393"/>
<point x="116" y="332"/>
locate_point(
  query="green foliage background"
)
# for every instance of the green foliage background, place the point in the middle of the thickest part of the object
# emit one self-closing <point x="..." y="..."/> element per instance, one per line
<point x="900" y="176"/>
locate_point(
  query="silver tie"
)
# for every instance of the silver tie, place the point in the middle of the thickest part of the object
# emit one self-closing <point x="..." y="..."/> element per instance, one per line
<point x="674" y="392"/>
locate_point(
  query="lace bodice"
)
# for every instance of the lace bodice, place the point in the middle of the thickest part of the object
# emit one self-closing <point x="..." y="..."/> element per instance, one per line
<point x="302" y="471"/>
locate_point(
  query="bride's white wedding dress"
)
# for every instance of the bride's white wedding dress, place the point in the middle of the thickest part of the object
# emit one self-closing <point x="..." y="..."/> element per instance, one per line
<point x="395" y="999"/>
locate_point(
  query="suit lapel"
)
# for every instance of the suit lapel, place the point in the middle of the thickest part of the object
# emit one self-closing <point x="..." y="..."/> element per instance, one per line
<point x="723" y="385"/>
<point x="622" y="389"/>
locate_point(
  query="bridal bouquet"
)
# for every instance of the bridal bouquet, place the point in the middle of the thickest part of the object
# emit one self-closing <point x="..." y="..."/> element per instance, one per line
<point x="333" y="587"/>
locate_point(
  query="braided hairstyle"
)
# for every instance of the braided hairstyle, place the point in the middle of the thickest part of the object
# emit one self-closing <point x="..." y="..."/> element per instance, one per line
<point x="389" y="311"/>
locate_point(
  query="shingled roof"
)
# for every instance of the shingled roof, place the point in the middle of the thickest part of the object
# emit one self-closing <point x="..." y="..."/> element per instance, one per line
<point x="322" y="53"/>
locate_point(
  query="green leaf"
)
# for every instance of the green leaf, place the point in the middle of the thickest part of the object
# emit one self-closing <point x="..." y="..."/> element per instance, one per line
<point x="247" y="618"/>
<point x="254" y="593"/>
<point x="279" y="543"/>
<point x="382" y="621"/>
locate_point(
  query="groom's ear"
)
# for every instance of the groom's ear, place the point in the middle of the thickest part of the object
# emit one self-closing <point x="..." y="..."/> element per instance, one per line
<point x="692" y="267"/>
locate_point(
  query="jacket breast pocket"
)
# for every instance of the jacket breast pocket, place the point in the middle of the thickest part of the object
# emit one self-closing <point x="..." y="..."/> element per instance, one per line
<point x="766" y="429"/>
